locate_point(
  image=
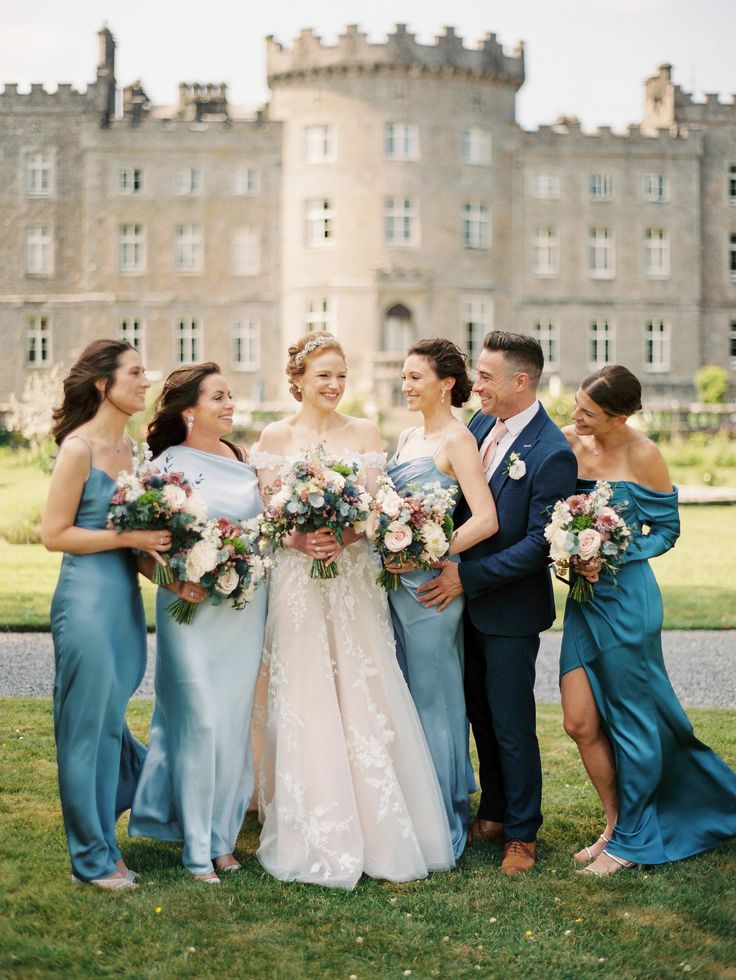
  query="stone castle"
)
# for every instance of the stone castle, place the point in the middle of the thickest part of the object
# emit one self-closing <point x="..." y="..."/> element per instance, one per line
<point x="386" y="192"/>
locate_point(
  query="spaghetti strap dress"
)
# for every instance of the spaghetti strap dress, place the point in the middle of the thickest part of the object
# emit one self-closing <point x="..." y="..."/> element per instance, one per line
<point x="99" y="633"/>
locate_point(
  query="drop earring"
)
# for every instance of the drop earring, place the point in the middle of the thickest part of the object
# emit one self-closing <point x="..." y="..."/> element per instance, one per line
<point x="442" y="396"/>
<point x="190" y="424"/>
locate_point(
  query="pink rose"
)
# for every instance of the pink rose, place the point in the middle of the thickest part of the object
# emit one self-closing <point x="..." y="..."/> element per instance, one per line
<point x="589" y="541"/>
<point x="397" y="537"/>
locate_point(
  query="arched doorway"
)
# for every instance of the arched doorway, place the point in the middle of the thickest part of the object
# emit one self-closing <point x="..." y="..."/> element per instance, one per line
<point x="397" y="331"/>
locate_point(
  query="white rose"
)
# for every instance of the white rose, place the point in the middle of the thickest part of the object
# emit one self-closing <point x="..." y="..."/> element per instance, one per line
<point x="561" y="543"/>
<point x="227" y="581"/>
<point x="202" y="558"/>
<point x="174" y="496"/>
<point x="196" y="506"/>
<point x="390" y="502"/>
<point x="589" y="542"/>
<point x="397" y="537"/>
<point x="333" y="479"/>
<point x="517" y="469"/>
<point x="435" y="542"/>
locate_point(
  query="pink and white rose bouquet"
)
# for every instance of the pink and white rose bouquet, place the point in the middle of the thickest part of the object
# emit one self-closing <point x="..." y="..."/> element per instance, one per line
<point x="225" y="561"/>
<point x="411" y="528"/>
<point x="586" y="533"/>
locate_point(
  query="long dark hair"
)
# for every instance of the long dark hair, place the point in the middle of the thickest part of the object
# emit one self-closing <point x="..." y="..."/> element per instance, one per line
<point x="82" y="398"/>
<point x="180" y="391"/>
<point x="614" y="389"/>
<point x="448" y="361"/>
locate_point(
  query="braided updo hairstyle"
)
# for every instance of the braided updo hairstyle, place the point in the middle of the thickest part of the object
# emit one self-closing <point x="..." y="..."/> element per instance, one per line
<point x="315" y="342"/>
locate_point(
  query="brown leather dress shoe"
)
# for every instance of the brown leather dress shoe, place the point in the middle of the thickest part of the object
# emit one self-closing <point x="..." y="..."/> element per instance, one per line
<point x="518" y="856"/>
<point x="481" y="830"/>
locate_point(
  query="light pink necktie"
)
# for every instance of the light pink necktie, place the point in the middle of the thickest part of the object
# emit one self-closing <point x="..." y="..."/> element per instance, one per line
<point x="498" y="431"/>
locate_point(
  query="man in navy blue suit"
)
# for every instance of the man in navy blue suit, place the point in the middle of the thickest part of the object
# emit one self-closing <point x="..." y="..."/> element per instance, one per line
<point x="509" y="601"/>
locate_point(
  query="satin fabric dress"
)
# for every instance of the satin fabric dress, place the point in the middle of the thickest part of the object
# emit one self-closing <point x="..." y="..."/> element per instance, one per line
<point x="347" y="784"/>
<point x="429" y="645"/>
<point x="99" y="632"/>
<point x="198" y="777"/>
<point x="676" y="796"/>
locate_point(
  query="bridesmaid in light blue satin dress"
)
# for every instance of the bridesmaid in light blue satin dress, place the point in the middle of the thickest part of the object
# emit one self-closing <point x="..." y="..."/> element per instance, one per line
<point x="666" y="795"/>
<point x="429" y="640"/>
<point x="198" y="776"/>
<point x="97" y="620"/>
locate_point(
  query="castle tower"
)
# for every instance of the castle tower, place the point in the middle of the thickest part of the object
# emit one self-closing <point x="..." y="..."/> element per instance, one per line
<point x="106" y="73"/>
<point x="396" y="210"/>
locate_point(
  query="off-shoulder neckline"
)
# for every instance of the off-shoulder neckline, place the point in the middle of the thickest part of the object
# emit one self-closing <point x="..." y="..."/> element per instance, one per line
<point x="631" y="483"/>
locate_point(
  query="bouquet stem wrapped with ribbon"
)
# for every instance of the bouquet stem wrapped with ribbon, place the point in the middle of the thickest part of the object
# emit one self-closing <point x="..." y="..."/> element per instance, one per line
<point x="412" y="528"/>
<point x="317" y="491"/>
<point x="587" y="534"/>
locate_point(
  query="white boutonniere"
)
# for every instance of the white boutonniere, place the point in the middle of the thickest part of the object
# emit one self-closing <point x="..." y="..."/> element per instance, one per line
<point x="515" y="467"/>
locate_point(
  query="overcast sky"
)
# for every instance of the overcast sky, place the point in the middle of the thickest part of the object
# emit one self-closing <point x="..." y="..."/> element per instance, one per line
<point x="583" y="57"/>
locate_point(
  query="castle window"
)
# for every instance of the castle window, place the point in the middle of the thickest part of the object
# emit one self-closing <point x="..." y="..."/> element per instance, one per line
<point x="319" y="314"/>
<point x="401" y="222"/>
<point x="476" y="225"/>
<point x="188" y="180"/>
<point x="320" y="224"/>
<point x="188" y="340"/>
<point x="656" y="187"/>
<point x="39" y="174"/>
<point x="131" y="329"/>
<point x="39" y="251"/>
<point x="546" y="252"/>
<point x="131" y="248"/>
<point x="548" y="335"/>
<point x="545" y="186"/>
<point x="38" y="341"/>
<point x="320" y="144"/>
<point x="188" y="248"/>
<point x="601" y="335"/>
<point x="601" y="253"/>
<point x="732" y="258"/>
<point x="397" y="334"/>
<point x="475" y="146"/>
<point x="245" y="345"/>
<point x="600" y="187"/>
<point x="401" y="141"/>
<point x="477" y="316"/>
<point x="732" y="183"/>
<point x="656" y="253"/>
<point x="247" y="182"/>
<point x="657" y="346"/>
<point x="130" y="180"/>
<point x="245" y="252"/>
<point x="732" y="345"/>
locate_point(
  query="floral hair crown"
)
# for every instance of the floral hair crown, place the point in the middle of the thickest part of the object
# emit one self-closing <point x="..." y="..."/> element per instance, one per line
<point x="312" y="345"/>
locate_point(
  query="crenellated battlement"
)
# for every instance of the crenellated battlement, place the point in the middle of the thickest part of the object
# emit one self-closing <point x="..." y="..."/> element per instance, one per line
<point x="65" y="99"/>
<point x="353" y="51"/>
<point x="667" y="104"/>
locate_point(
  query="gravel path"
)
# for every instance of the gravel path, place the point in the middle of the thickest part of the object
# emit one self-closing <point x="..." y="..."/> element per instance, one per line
<point x="701" y="664"/>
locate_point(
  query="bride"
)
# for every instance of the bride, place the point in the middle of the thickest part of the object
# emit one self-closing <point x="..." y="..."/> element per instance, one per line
<point x="347" y="784"/>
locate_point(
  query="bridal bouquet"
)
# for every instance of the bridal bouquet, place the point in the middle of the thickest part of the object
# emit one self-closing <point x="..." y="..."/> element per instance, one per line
<point x="151" y="500"/>
<point x="587" y="534"/>
<point x="225" y="561"/>
<point x="412" y="528"/>
<point x="317" y="491"/>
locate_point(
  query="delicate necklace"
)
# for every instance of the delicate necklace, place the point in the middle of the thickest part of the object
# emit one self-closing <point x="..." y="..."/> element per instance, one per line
<point x="596" y="452"/>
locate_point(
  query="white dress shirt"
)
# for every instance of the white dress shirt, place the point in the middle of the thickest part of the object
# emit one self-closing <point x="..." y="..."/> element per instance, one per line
<point x="514" y="424"/>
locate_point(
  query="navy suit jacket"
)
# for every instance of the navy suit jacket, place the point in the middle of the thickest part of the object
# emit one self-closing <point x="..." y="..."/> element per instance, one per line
<point x="506" y="578"/>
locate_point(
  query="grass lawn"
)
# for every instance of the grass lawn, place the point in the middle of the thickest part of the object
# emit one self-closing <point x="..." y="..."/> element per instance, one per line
<point x="466" y="923"/>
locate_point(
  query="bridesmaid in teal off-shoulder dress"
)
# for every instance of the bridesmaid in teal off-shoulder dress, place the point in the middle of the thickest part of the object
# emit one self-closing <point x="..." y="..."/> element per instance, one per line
<point x="665" y="794"/>
<point x="429" y="642"/>
<point x="97" y="621"/>
<point x="198" y="776"/>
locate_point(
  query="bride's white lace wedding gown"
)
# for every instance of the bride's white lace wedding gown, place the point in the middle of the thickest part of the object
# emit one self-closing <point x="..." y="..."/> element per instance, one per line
<point x="346" y="783"/>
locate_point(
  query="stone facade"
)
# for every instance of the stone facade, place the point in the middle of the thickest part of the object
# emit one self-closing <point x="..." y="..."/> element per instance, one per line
<point x="387" y="193"/>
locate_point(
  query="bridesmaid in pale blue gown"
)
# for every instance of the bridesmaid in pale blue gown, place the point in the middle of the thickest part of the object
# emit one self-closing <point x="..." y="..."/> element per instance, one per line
<point x="198" y="776"/>
<point x="429" y="641"/>
<point x="665" y="794"/>
<point x="97" y="620"/>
